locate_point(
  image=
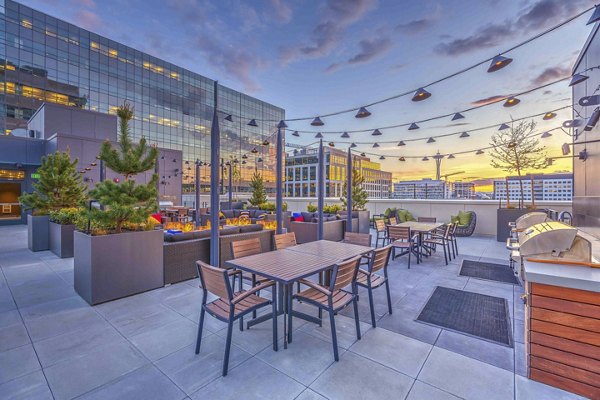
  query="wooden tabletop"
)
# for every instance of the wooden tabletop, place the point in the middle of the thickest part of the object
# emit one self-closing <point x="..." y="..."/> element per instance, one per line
<point x="338" y="250"/>
<point x="284" y="266"/>
<point x="421" y="227"/>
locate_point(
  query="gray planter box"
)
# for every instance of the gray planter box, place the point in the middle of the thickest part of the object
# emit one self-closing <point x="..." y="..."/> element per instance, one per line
<point x="61" y="239"/>
<point x="38" y="232"/>
<point x="113" y="266"/>
<point x="364" y="222"/>
<point x="503" y="217"/>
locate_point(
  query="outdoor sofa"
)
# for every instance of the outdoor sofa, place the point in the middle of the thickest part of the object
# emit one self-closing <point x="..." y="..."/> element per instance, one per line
<point x="466" y="226"/>
<point x="306" y="231"/>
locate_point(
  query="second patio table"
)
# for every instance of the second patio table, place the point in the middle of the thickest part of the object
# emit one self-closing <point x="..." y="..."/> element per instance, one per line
<point x="421" y="228"/>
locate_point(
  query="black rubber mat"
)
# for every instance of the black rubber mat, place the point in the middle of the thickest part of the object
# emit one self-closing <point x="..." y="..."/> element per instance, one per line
<point x="488" y="271"/>
<point x="474" y="314"/>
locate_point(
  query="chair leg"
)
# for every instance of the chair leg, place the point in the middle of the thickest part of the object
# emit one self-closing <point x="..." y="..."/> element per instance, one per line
<point x="333" y="335"/>
<point x="409" y="254"/>
<point x="371" y="306"/>
<point x="253" y="284"/>
<point x="227" y="347"/>
<point x="356" y="320"/>
<point x="445" y="254"/>
<point x="200" y="326"/>
<point x="274" y="323"/>
<point x="389" y="297"/>
<point x="241" y="324"/>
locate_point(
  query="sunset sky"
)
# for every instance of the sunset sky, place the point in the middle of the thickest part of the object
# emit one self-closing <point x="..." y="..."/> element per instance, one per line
<point x="316" y="57"/>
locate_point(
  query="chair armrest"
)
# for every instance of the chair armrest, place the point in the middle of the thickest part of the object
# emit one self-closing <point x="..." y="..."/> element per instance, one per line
<point x="251" y="291"/>
<point x="315" y="286"/>
<point x="362" y="271"/>
<point x="234" y="272"/>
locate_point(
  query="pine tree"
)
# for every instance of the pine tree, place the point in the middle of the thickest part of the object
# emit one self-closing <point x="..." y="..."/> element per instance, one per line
<point x="125" y="202"/>
<point x="259" y="195"/>
<point x="359" y="195"/>
<point x="59" y="185"/>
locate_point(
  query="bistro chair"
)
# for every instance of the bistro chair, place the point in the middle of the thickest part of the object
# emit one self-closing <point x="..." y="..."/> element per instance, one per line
<point x="426" y="219"/>
<point x="368" y="278"/>
<point x="381" y="232"/>
<point x="441" y="240"/>
<point x="245" y="248"/>
<point x="452" y="239"/>
<point x="229" y="306"/>
<point x="393" y="221"/>
<point x="361" y="239"/>
<point x="402" y="239"/>
<point x="333" y="297"/>
<point x="285" y="240"/>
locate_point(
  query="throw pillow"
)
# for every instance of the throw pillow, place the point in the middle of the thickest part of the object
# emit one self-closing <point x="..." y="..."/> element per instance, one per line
<point x="464" y="218"/>
<point x="299" y="219"/>
<point x="221" y="215"/>
<point x="387" y="213"/>
<point x="454" y="219"/>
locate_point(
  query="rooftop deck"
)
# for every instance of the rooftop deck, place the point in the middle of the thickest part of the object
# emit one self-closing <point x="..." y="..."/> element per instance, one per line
<point x="54" y="345"/>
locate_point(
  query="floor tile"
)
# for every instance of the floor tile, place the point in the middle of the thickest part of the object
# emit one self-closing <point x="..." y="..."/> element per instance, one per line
<point x="12" y="336"/>
<point x="192" y="371"/>
<point x="393" y="350"/>
<point x="145" y="383"/>
<point x="28" y="387"/>
<point x="63" y="322"/>
<point x="403" y="322"/>
<point x="17" y="362"/>
<point x="162" y="341"/>
<point x="355" y="377"/>
<point x="345" y="329"/>
<point x="527" y="389"/>
<point x="304" y="359"/>
<point x="93" y="370"/>
<point x="423" y="391"/>
<point x="75" y="344"/>
<point x="253" y="379"/>
<point x="465" y="377"/>
<point x="482" y="350"/>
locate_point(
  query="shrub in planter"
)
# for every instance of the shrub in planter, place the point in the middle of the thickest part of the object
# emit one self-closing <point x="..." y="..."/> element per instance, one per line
<point x="121" y="254"/>
<point x="311" y="208"/>
<point x="270" y="206"/>
<point x="331" y="209"/>
<point x="59" y="186"/>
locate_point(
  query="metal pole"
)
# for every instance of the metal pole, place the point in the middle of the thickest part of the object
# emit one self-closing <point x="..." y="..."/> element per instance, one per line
<point x="279" y="178"/>
<point x="214" y="189"/>
<point x="230" y="189"/>
<point x="222" y="177"/>
<point x="321" y="190"/>
<point x="349" y="192"/>
<point x="156" y="171"/>
<point x="197" y="203"/>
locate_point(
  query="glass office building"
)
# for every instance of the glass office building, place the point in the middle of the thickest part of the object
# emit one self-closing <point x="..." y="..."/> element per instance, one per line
<point x="44" y="59"/>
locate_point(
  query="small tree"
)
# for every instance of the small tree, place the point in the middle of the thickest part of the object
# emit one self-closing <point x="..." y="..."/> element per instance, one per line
<point x="125" y="202"/>
<point x="359" y="195"/>
<point x="59" y="185"/>
<point x="259" y="195"/>
<point x="516" y="150"/>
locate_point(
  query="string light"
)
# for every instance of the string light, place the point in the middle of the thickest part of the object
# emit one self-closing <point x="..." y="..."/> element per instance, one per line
<point x="353" y="145"/>
<point x="401" y="159"/>
<point x="345" y="135"/>
<point x="228" y="118"/>
<point x="317" y="122"/>
<point x="503" y="127"/>
<point x="362" y="113"/>
<point x="457" y="116"/>
<point x="425" y="158"/>
<point x="479" y="152"/>
<point x="546" y="135"/>
<point x="577" y="78"/>
<point x="319" y="135"/>
<point x="450" y="156"/>
<point x="376" y="132"/>
<point x="421" y="94"/>
<point x="498" y="63"/>
<point x="511" y="102"/>
<point x="431" y="140"/>
<point x="464" y="135"/>
<point x="401" y="143"/>
<point x="595" y="16"/>
<point x="413" y="127"/>
<point x="375" y="145"/>
<point x="548" y="116"/>
<point x="296" y="134"/>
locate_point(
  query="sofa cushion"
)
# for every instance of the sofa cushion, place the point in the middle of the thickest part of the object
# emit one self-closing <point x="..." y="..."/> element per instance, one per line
<point x="464" y="218"/>
<point x="180" y="237"/>
<point x="308" y="216"/>
<point x="228" y="213"/>
<point x="251" y="228"/>
<point x="236" y="213"/>
<point x="201" y="234"/>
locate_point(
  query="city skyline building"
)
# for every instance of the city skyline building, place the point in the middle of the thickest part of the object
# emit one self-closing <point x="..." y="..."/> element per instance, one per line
<point x="44" y="59"/>
<point x="425" y="188"/>
<point x="544" y="187"/>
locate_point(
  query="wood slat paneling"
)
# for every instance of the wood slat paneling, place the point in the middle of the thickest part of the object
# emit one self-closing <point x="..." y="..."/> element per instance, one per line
<point x="570" y="346"/>
<point x="570" y="307"/>
<point x="576" y="374"/>
<point x="581" y="296"/>
<point x="574" y="360"/>
<point x="578" y="335"/>
<point x="575" y="321"/>
<point x="565" y="383"/>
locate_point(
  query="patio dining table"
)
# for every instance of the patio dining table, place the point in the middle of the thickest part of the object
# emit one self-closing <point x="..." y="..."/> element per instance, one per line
<point x="421" y="229"/>
<point x="289" y="265"/>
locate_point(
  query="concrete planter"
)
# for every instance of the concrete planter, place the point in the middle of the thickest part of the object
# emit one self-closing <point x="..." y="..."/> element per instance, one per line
<point x="364" y="221"/>
<point x="61" y="239"/>
<point x="38" y="232"/>
<point x="113" y="266"/>
<point x="503" y="217"/>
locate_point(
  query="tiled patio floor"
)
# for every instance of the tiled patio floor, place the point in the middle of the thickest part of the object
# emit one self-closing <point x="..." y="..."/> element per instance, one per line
<point x="54" y="345"/>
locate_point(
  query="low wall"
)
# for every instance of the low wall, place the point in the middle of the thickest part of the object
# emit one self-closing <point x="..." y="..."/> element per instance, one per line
<point x="441" y="209"/>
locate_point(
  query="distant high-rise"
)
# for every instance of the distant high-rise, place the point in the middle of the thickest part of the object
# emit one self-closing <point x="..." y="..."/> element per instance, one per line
<point x="420" y="189"/>
<point x="539" y="186"/>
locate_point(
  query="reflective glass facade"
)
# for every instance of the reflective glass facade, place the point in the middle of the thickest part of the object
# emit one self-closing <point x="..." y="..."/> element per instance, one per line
<point x="44" y="59"/>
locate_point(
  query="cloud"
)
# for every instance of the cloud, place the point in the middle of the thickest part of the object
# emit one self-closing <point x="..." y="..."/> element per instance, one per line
<point x="333" y="67"/>
<point x="542" y="14"/>
<point x="371" y="49"/>
<point x="89" y="20"/>
<point x="396" y="67"/>
<point x="488" y="100"/>
<point x="337" y="15"/>
<point x="551" y="74"/>
<point x="489" y="36"/>
<point x="416" y="26"/>
<point x="282" y="11"/>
